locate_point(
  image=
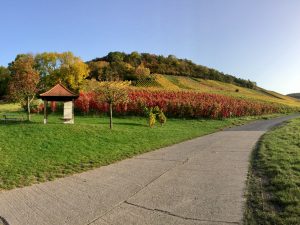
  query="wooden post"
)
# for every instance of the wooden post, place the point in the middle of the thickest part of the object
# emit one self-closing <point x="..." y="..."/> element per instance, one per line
<point x="45" y="111"/>
<point x="73" y="110"/>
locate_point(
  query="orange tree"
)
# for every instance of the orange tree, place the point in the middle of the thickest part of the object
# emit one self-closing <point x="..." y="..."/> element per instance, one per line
<point x="22" y="86"/>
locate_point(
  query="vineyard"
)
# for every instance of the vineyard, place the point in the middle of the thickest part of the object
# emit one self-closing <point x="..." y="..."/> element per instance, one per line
<point x="181" y="83"/>
<point x="181" y="104"/>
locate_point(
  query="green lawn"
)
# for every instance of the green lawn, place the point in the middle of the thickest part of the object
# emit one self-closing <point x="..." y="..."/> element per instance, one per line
<point x="274" y="179"/>
<point x="34" y="152"/>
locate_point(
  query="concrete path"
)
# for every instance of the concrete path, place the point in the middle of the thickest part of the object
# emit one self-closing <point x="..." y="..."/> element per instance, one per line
<point x="200" y="181"/>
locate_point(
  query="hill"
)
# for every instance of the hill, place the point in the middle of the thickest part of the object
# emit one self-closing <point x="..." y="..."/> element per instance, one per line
<point x="171" y="73"/>
<point x="294" y="95"/>
<point x="133" y="66"/>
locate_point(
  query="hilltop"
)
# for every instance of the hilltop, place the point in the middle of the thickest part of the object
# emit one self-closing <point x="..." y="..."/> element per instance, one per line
<point x="133" y="66"/>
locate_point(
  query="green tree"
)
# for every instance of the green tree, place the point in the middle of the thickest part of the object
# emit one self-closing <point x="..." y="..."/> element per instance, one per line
<point x="116" y="57"/>
<point x="98" y="69"/>
<point x="118" y="71"/>
<point x="23" y="84"/>
<point x="46" y="64"/>
<point x="4" y="80"/>
<point x="134" y="59"/>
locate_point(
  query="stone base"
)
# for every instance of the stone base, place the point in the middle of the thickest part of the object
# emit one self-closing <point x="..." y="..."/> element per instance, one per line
<point x="68" y="121"/>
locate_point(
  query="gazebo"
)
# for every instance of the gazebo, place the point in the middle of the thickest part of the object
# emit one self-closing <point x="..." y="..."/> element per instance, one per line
<point x="60" y="93"/>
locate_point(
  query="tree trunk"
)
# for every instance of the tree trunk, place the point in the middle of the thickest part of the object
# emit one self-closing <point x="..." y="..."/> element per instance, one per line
<point x="28" y="108"/>
<point x="110" y="116"/>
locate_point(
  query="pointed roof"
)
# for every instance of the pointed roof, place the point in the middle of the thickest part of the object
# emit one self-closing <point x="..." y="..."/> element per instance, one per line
<point x="58" y="91"/>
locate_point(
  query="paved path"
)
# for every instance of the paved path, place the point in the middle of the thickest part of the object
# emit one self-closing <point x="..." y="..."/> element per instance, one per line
<point x="200" y="181"/>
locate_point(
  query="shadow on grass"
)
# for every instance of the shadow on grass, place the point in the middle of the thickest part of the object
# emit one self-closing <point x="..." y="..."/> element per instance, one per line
<point x="10" y="123"/>
<point x="15" y="123"/>
<point x="130" y="124"/>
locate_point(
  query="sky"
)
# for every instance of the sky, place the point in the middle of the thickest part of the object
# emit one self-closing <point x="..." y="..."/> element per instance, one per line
<point x="251" y="39"/>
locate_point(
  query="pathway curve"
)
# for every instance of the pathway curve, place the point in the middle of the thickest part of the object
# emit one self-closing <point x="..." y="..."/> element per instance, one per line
<point x="200" y="181"/>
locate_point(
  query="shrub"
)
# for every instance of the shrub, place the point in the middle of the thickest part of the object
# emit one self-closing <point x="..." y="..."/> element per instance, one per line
<point x="152" y="119"/>
<point x="161" y="118"/>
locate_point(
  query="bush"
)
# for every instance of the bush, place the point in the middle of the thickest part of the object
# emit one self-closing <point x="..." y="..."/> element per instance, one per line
<point x="162" y="118"/>
<point x="154" y="114"/>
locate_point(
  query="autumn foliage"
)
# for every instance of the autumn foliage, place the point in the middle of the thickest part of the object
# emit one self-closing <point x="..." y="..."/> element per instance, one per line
<point x="180" y="104"/>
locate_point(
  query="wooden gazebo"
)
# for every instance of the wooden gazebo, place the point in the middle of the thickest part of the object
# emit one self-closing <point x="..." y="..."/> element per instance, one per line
<point x="61" y="94"/>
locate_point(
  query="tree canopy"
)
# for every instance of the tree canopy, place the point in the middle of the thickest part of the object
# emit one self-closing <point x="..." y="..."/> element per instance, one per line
<point x="61" y="67"/>
<point x="22" y="86"/>
<point x="4" y="79"/>
<point x="113" y="93"/>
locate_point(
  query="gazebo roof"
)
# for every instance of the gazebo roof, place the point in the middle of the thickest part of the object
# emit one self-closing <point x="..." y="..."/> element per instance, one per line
<point x="58" y="93"/>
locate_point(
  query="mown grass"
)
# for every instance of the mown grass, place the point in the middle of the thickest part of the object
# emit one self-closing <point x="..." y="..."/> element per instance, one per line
<point x="274" y="178"/>
<point x="34" y="152"/>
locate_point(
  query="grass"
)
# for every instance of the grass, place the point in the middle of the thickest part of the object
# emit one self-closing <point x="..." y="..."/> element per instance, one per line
<point x="34" y="152"/>
<point x="274" y="178"/>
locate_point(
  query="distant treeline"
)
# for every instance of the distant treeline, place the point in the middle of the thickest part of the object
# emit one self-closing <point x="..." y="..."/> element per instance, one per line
<point x="294" y="95"/>
<point x="134" y="66"/>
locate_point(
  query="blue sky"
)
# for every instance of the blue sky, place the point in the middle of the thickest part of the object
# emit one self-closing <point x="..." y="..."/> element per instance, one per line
<point x="253" y="39"/>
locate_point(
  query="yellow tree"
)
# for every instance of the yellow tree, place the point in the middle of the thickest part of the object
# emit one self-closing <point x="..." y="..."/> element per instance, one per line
<point x="142" y="73"/>
<point x="61" y="67"/>
<point x="113" y="93"/>
<point x="72" y="71"/>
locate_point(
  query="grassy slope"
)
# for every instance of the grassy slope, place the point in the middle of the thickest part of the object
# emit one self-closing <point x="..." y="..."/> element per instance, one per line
<point x="274" y="179"/>
<point x="211" y="86"/>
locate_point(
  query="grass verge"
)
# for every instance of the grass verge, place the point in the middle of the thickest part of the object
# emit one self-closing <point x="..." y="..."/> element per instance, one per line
<point x="274" y="178"/>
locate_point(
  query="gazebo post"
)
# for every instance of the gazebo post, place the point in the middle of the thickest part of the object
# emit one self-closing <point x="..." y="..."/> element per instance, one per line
<point x="45" y="111"/>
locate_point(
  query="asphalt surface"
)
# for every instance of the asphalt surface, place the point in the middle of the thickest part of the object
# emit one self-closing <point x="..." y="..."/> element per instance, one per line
<point x="201" y="181"/>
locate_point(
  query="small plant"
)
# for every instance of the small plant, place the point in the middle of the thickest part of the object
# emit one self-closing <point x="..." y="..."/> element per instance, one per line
<point x="154" y="114"/>
<point x="152" y="119"/>
<point x="161" y="118"/>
